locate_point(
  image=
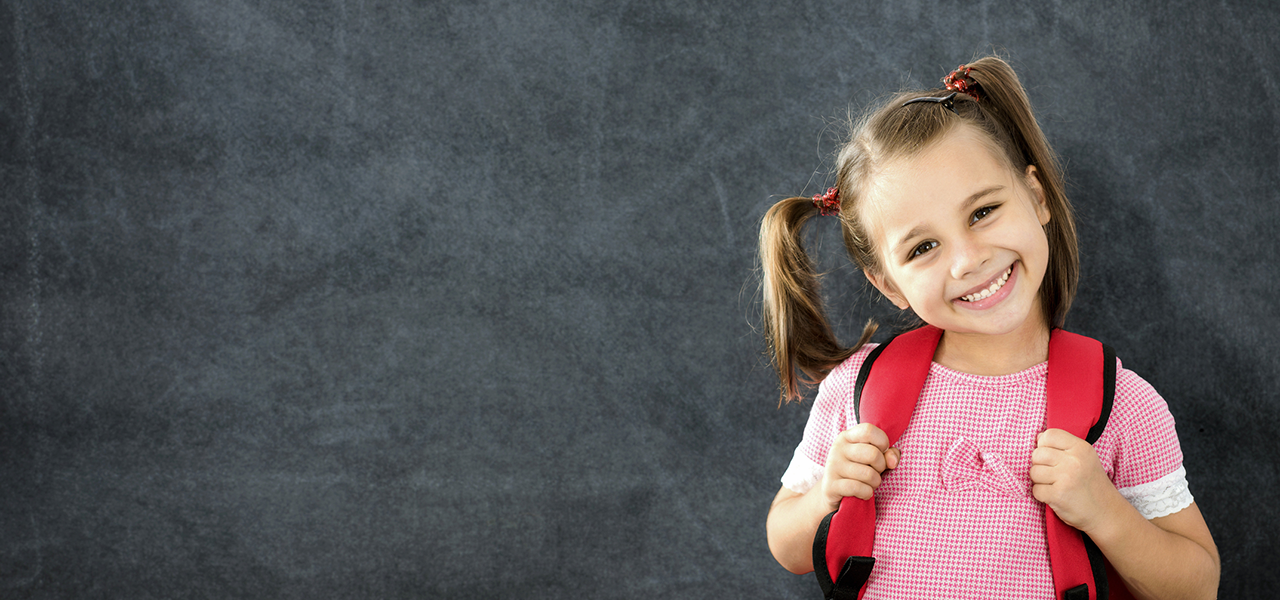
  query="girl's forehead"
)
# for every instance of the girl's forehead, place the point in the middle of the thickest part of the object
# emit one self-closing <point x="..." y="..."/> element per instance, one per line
<point x="938" y="179"/>
<point x="915" y="192"/>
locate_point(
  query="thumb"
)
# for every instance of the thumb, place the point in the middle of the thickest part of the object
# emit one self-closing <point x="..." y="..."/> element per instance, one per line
<point x="891" y="458"/>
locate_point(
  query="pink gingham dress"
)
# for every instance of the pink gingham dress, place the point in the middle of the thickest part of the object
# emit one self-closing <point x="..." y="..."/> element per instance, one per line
<point x="957" y="518"/>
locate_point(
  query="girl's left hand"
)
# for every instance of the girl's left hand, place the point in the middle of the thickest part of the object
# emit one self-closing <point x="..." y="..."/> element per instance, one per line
<point x="1067" y="475"/>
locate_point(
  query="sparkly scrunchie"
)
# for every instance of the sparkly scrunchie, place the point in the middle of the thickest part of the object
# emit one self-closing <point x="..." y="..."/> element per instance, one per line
<point x="829" y="203"/>
<point x="960" y="81"/>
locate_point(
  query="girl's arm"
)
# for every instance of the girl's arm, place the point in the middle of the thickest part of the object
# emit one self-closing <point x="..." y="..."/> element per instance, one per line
<point x="853" y="468"/>
<point x="793" y="521"/>
<point x="1166" y="557"/>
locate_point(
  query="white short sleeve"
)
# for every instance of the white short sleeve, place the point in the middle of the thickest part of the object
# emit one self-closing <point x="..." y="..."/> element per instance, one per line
<point x="1162" y="497"/>
<point x="1140" y="449"/>
<point x="802" y="474"/>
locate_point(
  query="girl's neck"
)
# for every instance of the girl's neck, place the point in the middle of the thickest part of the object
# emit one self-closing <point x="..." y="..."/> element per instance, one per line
<point x="982" y="354"/>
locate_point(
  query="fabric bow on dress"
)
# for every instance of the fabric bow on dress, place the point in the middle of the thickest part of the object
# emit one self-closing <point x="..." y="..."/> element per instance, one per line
<point x="965" y="466"/>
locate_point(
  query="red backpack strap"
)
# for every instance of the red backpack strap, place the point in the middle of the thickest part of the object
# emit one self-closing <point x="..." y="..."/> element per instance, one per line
<point x="1081" y="386"/>
<point x="890" y="379"/>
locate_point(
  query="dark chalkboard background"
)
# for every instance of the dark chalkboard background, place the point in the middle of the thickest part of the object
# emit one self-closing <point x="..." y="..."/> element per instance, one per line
<point x="403" y="299"/>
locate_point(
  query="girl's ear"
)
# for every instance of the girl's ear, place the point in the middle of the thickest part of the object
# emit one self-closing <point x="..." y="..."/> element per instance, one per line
<point x="886" y="287"/>
<point x="1037" y="191"/>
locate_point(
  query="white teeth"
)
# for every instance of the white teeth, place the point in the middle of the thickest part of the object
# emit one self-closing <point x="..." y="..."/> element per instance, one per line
<point x="995" y="287"/>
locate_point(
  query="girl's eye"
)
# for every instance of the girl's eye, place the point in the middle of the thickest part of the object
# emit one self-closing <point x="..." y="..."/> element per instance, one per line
<point x="922" y="248"/>
<point x="982" y="213"/>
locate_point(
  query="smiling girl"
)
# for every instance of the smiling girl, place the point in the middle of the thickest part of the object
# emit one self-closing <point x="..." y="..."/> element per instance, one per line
<point x="952" y="204"/>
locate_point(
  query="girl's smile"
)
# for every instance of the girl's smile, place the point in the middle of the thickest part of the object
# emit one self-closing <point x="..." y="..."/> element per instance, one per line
<point x="989" y="294"/>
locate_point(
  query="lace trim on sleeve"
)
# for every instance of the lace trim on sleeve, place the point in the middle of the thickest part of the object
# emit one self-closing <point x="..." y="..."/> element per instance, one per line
<point x="802" y="474"/>
<point x="1162" y="497"/>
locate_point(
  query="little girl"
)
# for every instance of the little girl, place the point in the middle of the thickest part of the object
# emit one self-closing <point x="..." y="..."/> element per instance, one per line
<point x="952" y="204"/>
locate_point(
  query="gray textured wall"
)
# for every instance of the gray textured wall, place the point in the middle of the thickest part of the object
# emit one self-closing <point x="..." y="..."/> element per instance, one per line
<point x="420" y="299"/>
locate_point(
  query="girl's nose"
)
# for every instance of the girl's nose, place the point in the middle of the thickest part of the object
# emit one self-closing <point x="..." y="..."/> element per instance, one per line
<point x="969" y="256"/>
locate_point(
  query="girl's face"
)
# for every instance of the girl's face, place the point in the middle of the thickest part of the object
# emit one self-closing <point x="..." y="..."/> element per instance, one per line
<point x="960" y="237"/>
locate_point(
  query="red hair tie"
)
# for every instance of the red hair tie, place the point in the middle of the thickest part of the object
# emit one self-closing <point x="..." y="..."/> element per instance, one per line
<point x="960" y="81"/>
<point x="829" y="203"/>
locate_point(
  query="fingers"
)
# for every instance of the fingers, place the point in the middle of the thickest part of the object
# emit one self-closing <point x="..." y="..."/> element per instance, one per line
<point x="1044" y="493"/>
<point x="865" y="473"/>
<point x="1041" y="474"/>
<point x="856" y="461"/>
<point x="1046" y="456"/>
<point x="866" y="433"/>
<point x="1055" y="447"/>
<point x="1057" y="438"/>
<point x="863" y="454"/>
<point x="864" y="443"/>
<point x="843" y="488"/>
<point x="892" y="457"/>
<point x="846" y="478"/>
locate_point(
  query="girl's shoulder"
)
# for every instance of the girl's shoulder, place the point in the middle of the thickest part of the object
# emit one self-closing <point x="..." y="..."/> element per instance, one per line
<point x="832" y="409"/>
<point x="835" y="391"/>
<point x="1136" y="400"/>
<point x="1140" y="442"/>
<point x="845" y="374"/>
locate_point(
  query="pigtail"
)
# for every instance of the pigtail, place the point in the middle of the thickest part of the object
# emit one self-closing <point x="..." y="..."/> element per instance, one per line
<point x="1004" y="99"/>
<point x="795" y="323"/>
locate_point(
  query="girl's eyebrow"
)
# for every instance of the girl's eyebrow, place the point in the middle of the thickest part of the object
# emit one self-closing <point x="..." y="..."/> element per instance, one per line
<point x="964" y="207"/>
<point x="971" y="200"/>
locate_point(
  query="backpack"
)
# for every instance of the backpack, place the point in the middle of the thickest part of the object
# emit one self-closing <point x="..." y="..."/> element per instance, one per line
<point x="1080" y="386"/>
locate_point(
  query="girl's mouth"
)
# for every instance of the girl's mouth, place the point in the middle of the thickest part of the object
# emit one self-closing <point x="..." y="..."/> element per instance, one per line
<point x="976" y="299"/>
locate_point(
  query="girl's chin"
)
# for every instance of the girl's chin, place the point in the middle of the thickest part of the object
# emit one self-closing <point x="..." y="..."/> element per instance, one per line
<point x="1010" y="316"/>
<point x="993" y="328"/>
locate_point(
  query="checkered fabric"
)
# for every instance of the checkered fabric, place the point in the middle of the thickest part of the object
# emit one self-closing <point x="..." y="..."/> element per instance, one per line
<point x="956" y="518"/>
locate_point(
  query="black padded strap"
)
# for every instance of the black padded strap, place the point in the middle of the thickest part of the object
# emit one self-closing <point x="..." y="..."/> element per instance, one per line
<point x="1108" y="393"/>
<point x="856" y="569"/>
<point x="820" y="557"/>
<point x="1096" y="559"/>
<point x="852" y="577"/>
<point x="1096" y="562"/>
<point x="1080" y="592"/>
<point x="863" y="373"/>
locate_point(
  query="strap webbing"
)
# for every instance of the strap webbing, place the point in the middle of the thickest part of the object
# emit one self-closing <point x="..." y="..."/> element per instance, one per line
<point x="847" y="549"/>
<point x="1080" y="386"/>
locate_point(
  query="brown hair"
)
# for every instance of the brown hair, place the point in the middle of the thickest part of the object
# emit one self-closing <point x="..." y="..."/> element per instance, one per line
<point x="796" y="326"/>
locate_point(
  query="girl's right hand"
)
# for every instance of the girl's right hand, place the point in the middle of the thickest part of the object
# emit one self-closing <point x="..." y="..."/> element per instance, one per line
<point x="855" y="462"/>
